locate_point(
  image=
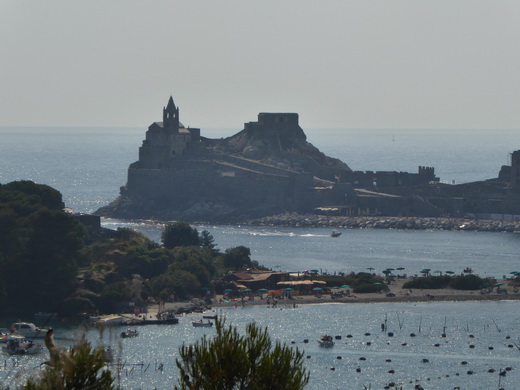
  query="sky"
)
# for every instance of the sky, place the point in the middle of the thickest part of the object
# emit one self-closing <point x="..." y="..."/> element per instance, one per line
<point x="338" y="64"/>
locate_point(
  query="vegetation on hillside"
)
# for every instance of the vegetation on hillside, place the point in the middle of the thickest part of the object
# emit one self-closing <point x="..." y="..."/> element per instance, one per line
<point x="50" y="262"/>
<point x="40" y="248"/>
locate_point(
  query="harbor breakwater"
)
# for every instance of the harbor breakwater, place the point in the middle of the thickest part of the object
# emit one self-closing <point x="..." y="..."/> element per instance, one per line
<point x="405" y="223"/>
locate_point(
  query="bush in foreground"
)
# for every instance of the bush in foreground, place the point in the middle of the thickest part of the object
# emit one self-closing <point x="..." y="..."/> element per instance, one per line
<point x="231" y="361"/>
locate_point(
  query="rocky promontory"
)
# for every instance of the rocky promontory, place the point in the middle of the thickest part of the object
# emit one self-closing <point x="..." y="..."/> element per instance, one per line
<point x="405" y="223"/>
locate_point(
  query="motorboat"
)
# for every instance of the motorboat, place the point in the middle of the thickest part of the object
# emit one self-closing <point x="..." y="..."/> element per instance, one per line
<point x="335" y="234"/>
<point x="22" y="346"/>
<point x="28" y="329"/>
<point x="326" y="341"/>
<point x="129" y="333"/>
<point x="202" y="324"/>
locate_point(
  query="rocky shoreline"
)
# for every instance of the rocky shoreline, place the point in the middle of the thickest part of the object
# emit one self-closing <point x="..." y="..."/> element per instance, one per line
<point x="404" y="223"/>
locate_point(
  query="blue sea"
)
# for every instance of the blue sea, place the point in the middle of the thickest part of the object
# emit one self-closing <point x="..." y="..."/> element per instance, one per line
<point x="88" y="165"/>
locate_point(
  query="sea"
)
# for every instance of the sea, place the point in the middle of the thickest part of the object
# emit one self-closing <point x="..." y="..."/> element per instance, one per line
<point x="482" y="339"/>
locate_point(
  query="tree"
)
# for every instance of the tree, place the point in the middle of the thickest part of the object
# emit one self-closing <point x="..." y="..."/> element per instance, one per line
<point x="237" y="258"/>
<point x="179" y="234"/>
<point x="207" y="241"/>
<point x="231" y="361"/>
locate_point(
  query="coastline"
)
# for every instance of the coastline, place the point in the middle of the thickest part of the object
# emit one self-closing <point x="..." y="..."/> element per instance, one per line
<point x="401" y="296"/>
<point x="383" y="222"/>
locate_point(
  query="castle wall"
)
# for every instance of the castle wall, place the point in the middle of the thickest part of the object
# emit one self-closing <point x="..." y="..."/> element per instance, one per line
<point x="196" y="181"/>
<point x="381" y="179"/>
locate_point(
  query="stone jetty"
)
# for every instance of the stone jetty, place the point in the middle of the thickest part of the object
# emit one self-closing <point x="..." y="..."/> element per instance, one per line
<point x="408" y="223"/>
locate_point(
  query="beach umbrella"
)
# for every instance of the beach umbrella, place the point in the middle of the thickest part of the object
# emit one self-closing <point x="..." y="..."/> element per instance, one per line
<point x="437" y="272"/>
<point x="399" y="268"/>
<point x="317" y="289"/>
<point x="247" y="290"/>
<point x="315" y="271"/>
<point x="370" y="268"/>
<point x="390" y="269"/>
<point x="263" y="290"/>
<point x="228" y="290"/>
<point x="499" y="284"/>
<point x="378" y="283"/>
<point x="335" y="287"/>
<point x="345" y="286"/>
<point x="387" y="271"/>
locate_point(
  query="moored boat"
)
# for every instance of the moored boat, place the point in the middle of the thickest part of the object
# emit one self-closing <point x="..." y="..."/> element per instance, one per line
<point x="129" y="333"/>
<point x="202" y="324"/>
<point x="22" y="346"/>
<point x="28" y="329"/>
<point x="326" y="341"/>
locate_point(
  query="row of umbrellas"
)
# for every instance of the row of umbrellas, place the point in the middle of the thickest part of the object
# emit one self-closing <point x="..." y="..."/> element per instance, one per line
<point x="388" y="271"/>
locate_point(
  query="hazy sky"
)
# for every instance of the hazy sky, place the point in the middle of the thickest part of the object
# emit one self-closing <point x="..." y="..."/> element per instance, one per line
<point x="347" y="64"/>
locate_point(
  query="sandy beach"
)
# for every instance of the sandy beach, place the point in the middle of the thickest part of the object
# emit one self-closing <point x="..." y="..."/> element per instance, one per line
<point x="396" y="287"/>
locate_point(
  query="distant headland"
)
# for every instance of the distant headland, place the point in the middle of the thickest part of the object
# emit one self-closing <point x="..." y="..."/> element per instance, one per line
<point x="269" y="168"/>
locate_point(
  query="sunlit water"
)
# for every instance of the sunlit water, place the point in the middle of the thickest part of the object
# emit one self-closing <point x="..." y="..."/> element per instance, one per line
<point x="490" y="327"/>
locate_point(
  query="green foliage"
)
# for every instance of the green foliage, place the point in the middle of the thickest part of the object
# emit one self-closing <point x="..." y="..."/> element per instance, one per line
<point x="206" y="240"/>
<point x="231" y="361"/>
<point x="82" y="367"/>
<point x="179" y="234"/>
<point x="26" y="197"/>
<point x="178" y="283"/>
<point x="237" y="258"/>
<point x="113" y="294"/>
<point x="40" y="248"/>
<point x="361" y="282"/>
<point x="429" y="282"/>
<point x="465" y="282"/>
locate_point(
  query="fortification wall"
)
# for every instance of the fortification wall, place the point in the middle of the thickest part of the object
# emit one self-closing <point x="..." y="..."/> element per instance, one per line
<point x="206" y="181"/>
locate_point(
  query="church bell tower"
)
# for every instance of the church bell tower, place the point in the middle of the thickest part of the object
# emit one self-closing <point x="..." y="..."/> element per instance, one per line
<point x="171" y="117"/>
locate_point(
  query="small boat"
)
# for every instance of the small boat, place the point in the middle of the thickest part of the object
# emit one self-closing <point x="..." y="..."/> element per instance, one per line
<point x="129" y="333"/>
<point x="208" y="317"/>
<point x="22" y="346"/>
<point x="28" y="329"/>
<point x="335" y="234"/>
<point x="202" y="324"/>
<point x="326" y="341"/>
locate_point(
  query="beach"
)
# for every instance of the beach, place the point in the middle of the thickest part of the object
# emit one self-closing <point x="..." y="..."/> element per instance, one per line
<point x="400" y="295"/>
